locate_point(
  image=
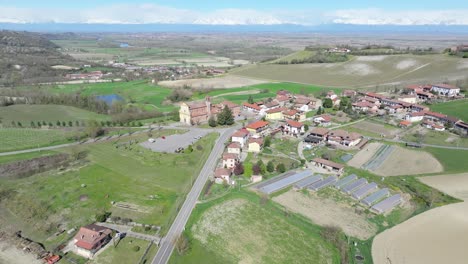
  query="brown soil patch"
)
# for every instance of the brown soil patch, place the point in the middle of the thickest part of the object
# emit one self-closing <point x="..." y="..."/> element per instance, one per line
<point x="326" y="212"/>
<point x="10" y="254"/>
<point x="404" y="161"/>
<point x="83" y="197"/>
<point x="437" y="236"/>
<point x="364" y="155"/>
<point x="211" y="83"/>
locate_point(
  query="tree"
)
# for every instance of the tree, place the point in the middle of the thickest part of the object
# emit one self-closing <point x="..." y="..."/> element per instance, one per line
<point x="320" y="111"/>
<point x="225" y="117"/>
<point x="94" y="129"/>
<point x="33" y="124"/>
<point x="189" y="149"/>
<point x="39" y="124"/>
<point x="262" y="166"/>
<point x="267" y="142"/>
<point x="270" y="166"/>
<point x="64" y="124"/>
<point x="306" y="127"/>
<point x="212" y="121"/>
<point x="70" y="123"/>
<point x="250" y="100"/>
<point x="238" y="169"/>
<point x="182" y="244"/>
<point x="343" y="103"/>
<point x="256" y="169"/>
<point x="280" y="168"/>
<point x="327" y="103"/>
<point x="248" y="169"/>
<point x="19" y="124"/>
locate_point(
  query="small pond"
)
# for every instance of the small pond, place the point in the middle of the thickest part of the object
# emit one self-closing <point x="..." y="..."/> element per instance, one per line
<point x="110" y="98"/>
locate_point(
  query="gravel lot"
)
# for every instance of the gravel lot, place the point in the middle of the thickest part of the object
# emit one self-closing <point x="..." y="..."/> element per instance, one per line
<point x="173" y="142"/>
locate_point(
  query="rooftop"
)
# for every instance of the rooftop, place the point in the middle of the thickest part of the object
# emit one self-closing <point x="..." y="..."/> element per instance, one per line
<point x="328" y="163"/>
<point x="257" y="125"/>
<point x="294" y="123"/>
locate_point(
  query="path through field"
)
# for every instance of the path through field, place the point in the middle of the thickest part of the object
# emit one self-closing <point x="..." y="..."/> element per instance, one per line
<point x="437" y="236"/>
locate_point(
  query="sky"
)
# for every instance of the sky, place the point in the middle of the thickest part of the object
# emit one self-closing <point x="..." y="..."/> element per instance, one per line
<point x="239" y="12"/>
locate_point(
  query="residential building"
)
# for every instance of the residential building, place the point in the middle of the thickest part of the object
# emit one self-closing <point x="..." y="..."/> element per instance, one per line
<point x="274" y="114"/>
<point x="192" y="113"/>
<point x="432" y="125"/>
<point x="419" y="108"/>
<point x="329" y="165"/>
<point x="234" y="148"/>
<point x="293" y="114"/>
<point x="364" y="106"/>
<point x="414" y="116"/>
<point x="240" y="136"/>
<point x="90" y="239"/>
<point x="255" y="108"/>
<point x="271" y="105"/>
<point x="293" y="127"/>
<point x="445" y="89"/>
<point x="323" y="120"/>
<point x="349" y="93"/>
<point x="410" y="98"/>
<point x="344" y="138"/>
<point x="222" y="175"/>
<point x="230" y="160"/>
<point x="462" y="127"/>
<point x="258" y="127"/>
<point x="320" y="132"/>
<point x="255" y="145"/>
<point x="235" y="108"/>
<point x="304" y="103"/>
<point x="405" y="123"/>
<point x="283" y="100"/>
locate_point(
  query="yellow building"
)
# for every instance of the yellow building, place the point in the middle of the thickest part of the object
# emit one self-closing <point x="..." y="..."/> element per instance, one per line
<point x="274" y="114"/>
<point x="255" y="145"/>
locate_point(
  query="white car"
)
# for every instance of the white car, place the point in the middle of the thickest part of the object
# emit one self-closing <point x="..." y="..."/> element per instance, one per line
<point x="151" y="140"/>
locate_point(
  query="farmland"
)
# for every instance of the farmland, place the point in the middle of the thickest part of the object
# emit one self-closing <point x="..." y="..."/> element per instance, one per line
<point x="150" y="186"/>
<point x="47" y="113"/>
<point x="367" y="71"/>
<point x="240" y="229"/>
<point x="24" y="138"/>
<point x="454" y="108"/>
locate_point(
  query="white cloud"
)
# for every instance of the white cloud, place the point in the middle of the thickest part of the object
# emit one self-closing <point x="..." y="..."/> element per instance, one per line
<point x="152" y="13"/>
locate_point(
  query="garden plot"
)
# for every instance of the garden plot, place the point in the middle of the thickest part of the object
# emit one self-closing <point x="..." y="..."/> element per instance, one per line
<point x="328" y="212"/>
<point x="436" y="236"/>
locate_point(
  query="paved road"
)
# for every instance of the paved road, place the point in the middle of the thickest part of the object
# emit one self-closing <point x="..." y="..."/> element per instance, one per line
<point x="167" y="243"/>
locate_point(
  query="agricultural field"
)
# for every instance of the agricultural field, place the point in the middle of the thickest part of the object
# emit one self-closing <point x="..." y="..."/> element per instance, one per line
<point x="48" y="113"/>
<point x="212" y="83"/>
<point x="363" y="71"/>
<point x="452" y="160"/>
<point x="439" y="138"/>
<point x="454" y="108"/>
<point x="298" y="55"/>
<point x="122" y="178"/>
<point x="239" y="228"/>
<point x="125" y="252"/>
<point x="25" y="138"/>
<point x="373" y="128"/>
<point x="424" y="238"/>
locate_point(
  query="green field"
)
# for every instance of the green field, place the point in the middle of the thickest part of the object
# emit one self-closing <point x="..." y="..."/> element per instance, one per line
<point x="238" y="228"/>
<point x="25" y="156"/>
<point x="153" y="184"/>
<point x="298" y="55"/>
<point x="25" y="138"/>
<point x="361" y="71"/>
<point x="453" y="160"/>
<point x="140" y="92"/>
<point x="124" y="252"/>
<point x="457" y="108"/>
<point x="440" y="138"/>
<point x="47" y="113"/>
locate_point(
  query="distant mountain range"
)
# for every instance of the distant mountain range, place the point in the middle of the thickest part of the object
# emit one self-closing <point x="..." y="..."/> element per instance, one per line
<point x="338" y="28"/>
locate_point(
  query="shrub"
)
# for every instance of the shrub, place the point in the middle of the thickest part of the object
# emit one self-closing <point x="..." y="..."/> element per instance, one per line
<point x="270" y="166"/>
<point x="102" y="217"/>
<point x="281" y="168"/>
<point x="136" y="248"/>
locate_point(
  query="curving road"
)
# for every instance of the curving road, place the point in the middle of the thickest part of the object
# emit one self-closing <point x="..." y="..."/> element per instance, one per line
<point x="167" y="243"/>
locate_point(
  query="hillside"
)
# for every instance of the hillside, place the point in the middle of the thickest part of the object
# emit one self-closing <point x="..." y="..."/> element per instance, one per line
<point x="29" y="57"/>
<point x="365" y="71"/>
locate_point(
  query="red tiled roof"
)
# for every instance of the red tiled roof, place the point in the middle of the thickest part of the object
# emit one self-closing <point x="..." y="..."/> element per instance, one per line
<point x="257" y="125"/>
<point x="290" y="112"/>
<point x="344" y="134"/>
<point x="241" y="133"/>
<point x="227" y="156"/>
<point x="363" y="104"/>
<point x="256" y="140"/>
<point x="325" y="117"/>
<point x="376" y="95"/>
<point x="219" y="172"/>
<point x="446" y="86"/>
<point x="319" y="131"/>
<point x="253" y="106"/>
<point x="234" y="145"/>
<point x="282" y="98"/>
<point x="229" y="104"/>
<point x="194" y="105"/>
<point x="405" y="123"/>
<point x="434" y="114"/>
<point x="272" y="104"/>
<point x="414" y="114"/>
<point x="275" y="110"/>
<point x="89" y="236"/>
<point x="294" y="123"/>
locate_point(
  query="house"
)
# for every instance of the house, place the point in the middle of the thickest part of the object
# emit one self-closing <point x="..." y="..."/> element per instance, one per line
<point x="222" y="175"/>
<point x="409" y="98"/>
<point x="323" y="120"/>
<point x="282" y="99"/>
<point x="293" y="114"/>
<point x="344" y="138"/>
<point x="349" y="93"/>
<point x="255" y="108"/>
<point x="415" y="116"/>
<point x="394" y="109"/>
<point x="419" y="108"/>
<point x="327" y="164"/>
<point x="230" y="160"/>
<point x="445" y="89"/>
<point x="304" y="103"/>
<point x="424" y="96"/>
<point x="274" y="114"/>
<point x="435" y="116"/>
<point x="462" y="127"/>
<point x="234" y="148"/>
<point x="240" y="136"/>
<point x="255" y="145"/>
<point x="192" y="113"/>
<point x="364" y="106"/>
<point x="405" y="124"/>
<point x="432" y="125"/>
<point x="320" y="132"/>
<point x="293" y="127"/>
<point x="258" y="127"/>
<point x="90" y="239"/>
<point x="271" y="105"/>
<point x="235" y="108"/>
<point x="256" y="178"/>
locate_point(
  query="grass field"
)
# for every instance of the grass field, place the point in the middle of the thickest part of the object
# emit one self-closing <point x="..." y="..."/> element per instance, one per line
<point x="125" y="253"/>
<point x="47" y="113"/>
<point x="140" y="92"/>
<point x="453" y="160"/>
<point x="298" y="55"/>
<point x="440" y="138"/>
<point x="362" y="71"/>
<point x="24" y="138"/>
<point x="25" y="156"/>
<point x="153" y="184"/>
<point x="237" y="228"/>
<point x="457" y="108"/>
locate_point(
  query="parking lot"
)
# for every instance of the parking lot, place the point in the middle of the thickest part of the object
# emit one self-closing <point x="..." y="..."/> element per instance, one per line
<point x="171" y="143"/>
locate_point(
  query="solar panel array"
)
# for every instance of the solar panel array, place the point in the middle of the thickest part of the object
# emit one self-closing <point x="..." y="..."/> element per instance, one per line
<point x="339" y="184"/>
<point x="387" y="204"/>
<point x="365" y="190"/>
<point x="371" y="199"/>
<point x="323" y="183"/>
<point x="349" y="188"/>
<point x="285" y="182"/>
<point x="308" y="181"/>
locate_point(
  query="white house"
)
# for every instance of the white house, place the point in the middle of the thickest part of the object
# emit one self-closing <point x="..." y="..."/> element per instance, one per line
<point x="445" y="89"/>
<point x="345" y="138"/>
<point x="415" y="116"/>
<point x="230" y="160"/>
<point x="222" y="175"/>
<point x="234" y="148"/>
<point x="293" y="127"/>
<point x="241" y="136"/>
<point x="324" y="120"/>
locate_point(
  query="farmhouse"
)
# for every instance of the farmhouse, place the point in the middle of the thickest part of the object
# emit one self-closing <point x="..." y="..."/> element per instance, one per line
<point x="293" y="127"/>
<point x="255" y="145"/>
<point x="234" y="148"/>
<point x="222" y="175"/>
<point x="275" y="114"/>
<point x="255" y="108"/>
<point x="240" y="136"/>
<point x="320" y="132"/>
<point x="235" y="108"/>
<point x="258" y="127"/>
<point x="344" y="138"/>
<point x="230" y="160"/>
<point x="304" y="103"/>
<point x="364" y="106"/>
<point x="323" y="120"/>
<point x="445" y="89"/>
<point x="327" y="164"/>
<point x="90" y="239"/>
<point x="462" y="127"/>
<point x="415" y="116"/>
